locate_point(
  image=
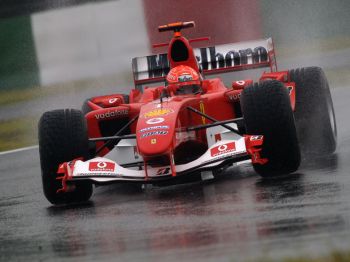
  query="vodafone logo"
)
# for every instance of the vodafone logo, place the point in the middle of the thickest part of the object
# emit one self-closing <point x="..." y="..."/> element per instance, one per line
<point x="101" y="166"/>
<point x="113" y="100"/>
<point x="223" y="149"/>
<point x="154" y="121"/>
<point x="113" y="114"/>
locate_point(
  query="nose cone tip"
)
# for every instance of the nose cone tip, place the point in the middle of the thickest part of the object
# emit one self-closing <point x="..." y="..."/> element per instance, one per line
<point x="158" y="144"/>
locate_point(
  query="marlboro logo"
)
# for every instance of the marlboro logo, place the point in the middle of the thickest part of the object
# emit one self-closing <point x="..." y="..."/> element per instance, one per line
<point x="210" y="58"/>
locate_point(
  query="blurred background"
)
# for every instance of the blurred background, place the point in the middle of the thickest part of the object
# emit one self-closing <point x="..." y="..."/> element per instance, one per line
<point x="55" y="54"/>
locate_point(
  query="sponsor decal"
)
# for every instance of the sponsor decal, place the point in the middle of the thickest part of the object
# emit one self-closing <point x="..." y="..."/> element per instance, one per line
<point x="171" y="77"/>
<point x="220" y="157"/>
<point x="101" y="166"/>
<point x="163" y="171"/>
<point x="113" y="100"/>
<point x="153" y="141"/>
<point x="154" y="133"/>
<point x="158" y="112"/>
<point x="234" y="95"/>
<point x="209" y="58"/>
<point x="115" y="113"/>
<point x="241" y="82"/>
<point x="290" y="89"/>
<point x="255" y="138"/>
<point x="154" y="121"/>
<point x="98" y="174"/>
<point x="153" y="128"/>
<point x="223" y="149"/>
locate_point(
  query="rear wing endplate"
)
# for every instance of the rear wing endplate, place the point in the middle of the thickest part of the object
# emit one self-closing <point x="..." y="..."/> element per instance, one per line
<point x="213" y="60"/>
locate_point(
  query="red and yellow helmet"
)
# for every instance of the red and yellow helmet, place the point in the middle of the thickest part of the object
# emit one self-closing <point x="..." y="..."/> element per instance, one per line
<point x="183" y="80"/>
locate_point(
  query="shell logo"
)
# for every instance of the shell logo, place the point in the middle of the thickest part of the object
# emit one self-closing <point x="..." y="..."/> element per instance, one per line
<point x="158" y="112"/>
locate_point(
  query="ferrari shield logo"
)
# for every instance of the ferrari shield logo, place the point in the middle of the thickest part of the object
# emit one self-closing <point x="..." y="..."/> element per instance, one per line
<point x="153" y="141"/>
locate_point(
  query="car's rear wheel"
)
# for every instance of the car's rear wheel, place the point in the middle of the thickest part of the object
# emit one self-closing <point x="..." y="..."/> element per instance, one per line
<point x="314" y="112"/>
<point x="62" y="137"/>
<point x="267" y="111"/>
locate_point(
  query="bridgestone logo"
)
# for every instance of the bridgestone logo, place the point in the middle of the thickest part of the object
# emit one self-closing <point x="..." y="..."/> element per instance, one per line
<point x="111" y="114"/>
<point x="154" y="133"/>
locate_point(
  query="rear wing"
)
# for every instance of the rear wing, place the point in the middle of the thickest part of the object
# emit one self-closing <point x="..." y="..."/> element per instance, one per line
<point x="213" y="60"/>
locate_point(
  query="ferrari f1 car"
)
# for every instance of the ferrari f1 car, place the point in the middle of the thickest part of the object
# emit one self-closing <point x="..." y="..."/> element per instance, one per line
<point x="190" y="126"/>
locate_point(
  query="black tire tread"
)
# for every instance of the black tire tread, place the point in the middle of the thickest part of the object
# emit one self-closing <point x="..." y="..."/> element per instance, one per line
<point x="62" y="137"/>
<point x="267" y="111"/>
<point x="313" y="102"/>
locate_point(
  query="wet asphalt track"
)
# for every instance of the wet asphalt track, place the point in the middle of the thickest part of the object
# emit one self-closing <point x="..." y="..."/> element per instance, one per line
<point x="237" y="218"/>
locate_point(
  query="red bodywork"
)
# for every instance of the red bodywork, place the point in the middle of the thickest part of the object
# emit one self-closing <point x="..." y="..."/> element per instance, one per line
<point x="160" y="129"/>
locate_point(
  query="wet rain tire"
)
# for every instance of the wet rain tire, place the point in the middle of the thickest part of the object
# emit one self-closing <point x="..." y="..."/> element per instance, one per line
<point x="314" y="112"/>
<point x="267" y="111"/>
<point x="62" y="137"/>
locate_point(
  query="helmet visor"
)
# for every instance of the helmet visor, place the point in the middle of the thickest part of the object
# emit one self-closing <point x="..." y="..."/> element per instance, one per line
<point x="186" y="88"/>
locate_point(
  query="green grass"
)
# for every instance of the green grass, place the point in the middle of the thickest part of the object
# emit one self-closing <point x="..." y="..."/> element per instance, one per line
<point x="17" y="133"/>
<point x="21" y="132"/>
<point x="335" y="256"/>
<point x="20" y="95"/>
<point x="26" y="94"/>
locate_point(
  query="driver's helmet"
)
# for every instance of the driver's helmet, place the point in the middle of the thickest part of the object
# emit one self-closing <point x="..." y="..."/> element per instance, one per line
<point x="183" y="80"/>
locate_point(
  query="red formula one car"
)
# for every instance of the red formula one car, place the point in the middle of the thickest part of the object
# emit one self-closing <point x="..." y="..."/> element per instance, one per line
<point x="190" y="127"/>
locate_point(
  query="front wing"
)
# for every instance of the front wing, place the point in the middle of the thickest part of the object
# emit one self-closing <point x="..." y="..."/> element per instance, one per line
<point x="102" y="170"/>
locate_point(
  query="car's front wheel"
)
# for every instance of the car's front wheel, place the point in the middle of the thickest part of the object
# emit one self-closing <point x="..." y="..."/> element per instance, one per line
<point x="62" y="137"/>
<point x="267" y="111"/>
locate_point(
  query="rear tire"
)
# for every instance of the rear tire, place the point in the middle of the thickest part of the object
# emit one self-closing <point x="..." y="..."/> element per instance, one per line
<point x="314" y="112"/>
<point x="62" y="137"/>
<point x="267" y="111"/>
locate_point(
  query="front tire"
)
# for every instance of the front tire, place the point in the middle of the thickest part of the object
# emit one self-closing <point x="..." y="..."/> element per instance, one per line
<point x="267" y="111"/>
<point x="62" y="137"/>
